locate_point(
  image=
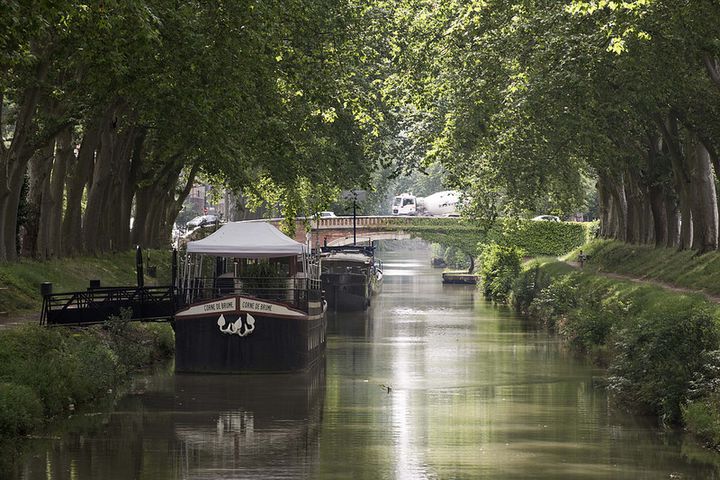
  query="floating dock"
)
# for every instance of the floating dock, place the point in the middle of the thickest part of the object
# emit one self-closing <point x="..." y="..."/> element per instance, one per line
<point x="460" y="278"/>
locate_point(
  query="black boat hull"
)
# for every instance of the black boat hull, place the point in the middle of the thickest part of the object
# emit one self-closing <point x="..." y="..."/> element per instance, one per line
<point x="346" y="291"/>
<point x="247" y="335"/>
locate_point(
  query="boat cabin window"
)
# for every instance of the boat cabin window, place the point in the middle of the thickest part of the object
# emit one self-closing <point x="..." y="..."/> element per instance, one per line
<point x="344" y="267"/>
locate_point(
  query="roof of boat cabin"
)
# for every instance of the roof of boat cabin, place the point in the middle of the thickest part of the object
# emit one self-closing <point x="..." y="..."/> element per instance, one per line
<point x="247" y="240"/>
<point x="347" y="257"/>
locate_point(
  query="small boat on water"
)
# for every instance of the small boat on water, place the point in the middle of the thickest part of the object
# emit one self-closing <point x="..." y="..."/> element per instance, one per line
<point x="251" y="301"/>
<point x="350" y="276"/>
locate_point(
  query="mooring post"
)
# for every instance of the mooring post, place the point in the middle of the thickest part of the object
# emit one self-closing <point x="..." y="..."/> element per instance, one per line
<point x="174" y="268"/>
<point x="354" y="222"/>
<point x="139" y="266"/>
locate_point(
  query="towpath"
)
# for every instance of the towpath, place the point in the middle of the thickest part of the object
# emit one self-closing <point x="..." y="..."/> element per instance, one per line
<point x="15" y="319"/>
<point x="667" y="286"/>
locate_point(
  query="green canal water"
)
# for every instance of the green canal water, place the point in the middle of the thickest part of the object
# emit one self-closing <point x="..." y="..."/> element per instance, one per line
<point x="474" y="392"/>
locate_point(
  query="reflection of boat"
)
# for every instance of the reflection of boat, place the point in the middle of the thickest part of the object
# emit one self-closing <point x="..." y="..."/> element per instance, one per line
<point x="255" y="307"/>
<point x="350" y="276"/>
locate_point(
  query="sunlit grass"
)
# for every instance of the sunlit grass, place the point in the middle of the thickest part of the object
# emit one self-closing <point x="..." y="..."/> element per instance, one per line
<point x="667" y="265"/>
<point x="22" y="279"/>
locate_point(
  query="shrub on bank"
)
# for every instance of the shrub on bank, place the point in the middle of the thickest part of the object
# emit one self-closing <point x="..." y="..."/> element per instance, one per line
<point x="46" y="371"/>
<point x="659" y="352"/>
<point x="500" y="267"/>
<point x="654" y="342"/>
<point x="20" y="409"/>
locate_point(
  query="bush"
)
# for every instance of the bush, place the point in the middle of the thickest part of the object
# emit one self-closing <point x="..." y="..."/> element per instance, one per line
<point x="47" y="369"/>
<point x="702" y="418"/>
<point x="552" y="304"/>
<point x="37" y="358"/>
<point x="500" y="268"/>
<point x="138" y="345"/>
<point x="660" y="352"/>
<point x="527" y="286"/>
<point x="97" y="368"/>
<point x="599" y="310"/>
<point x="20" y="409"/>
<point x="702" y="413"/>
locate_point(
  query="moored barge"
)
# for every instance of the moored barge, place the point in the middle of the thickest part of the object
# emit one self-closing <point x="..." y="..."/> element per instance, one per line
<point x="350" y="276"/>
<point x="251" y="302"/>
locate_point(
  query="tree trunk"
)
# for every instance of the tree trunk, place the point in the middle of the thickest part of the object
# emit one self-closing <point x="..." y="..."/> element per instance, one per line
<point x="681" y="177"/>
<point x="14" y="159"/>
<point x="35" y="240"/>
<point x="81" y="168"/>
<point x="659" y="216"/>
<point x="64" y="154"/>
<point x="619" y="208"/>
<point x="604" y="207"/>
<point x="95" y="221"/>
<point x="635" y="207"/>
<point x="672" y="215"/>
<point x="657" y="190"/>
<point x="704" y="198"/>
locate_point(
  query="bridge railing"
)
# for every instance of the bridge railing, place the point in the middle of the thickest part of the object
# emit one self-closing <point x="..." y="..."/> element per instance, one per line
<point x="97" y="304"/>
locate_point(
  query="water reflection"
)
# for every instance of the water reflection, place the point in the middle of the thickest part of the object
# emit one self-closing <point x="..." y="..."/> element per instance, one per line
<point x="195" y="426"/>
<point x="430" y="382"/>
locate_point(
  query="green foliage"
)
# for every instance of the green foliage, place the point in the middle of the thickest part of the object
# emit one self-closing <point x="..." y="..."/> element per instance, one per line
<point x="73" y="274"/>
<point x="702" y="418"/>
<point x="470" y="236"/>
<point x="528" y="285"/>
<point x="38" y="358"/>
<point x="20" y="410"/>
<point x="701" y="414"/>
<point x="264" y="279"/>
<point x="500" y="267"/>
<point x="554" y="302"/>
<point x="660" y="351"/>
<point x="658" y="345"/>
<point x="45" y="370"/>
<point x="546" y="238"/>
<point x="681" y="268"/>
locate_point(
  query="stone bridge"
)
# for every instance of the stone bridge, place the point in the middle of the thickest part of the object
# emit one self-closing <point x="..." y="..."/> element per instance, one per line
<point x="336" y="231"/>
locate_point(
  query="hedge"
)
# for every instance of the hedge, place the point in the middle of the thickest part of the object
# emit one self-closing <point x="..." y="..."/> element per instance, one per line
<point x="545" y="238"/>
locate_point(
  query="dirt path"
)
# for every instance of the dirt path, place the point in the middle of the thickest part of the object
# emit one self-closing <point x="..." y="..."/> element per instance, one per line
<point x="666" y="286"/>
<point x="15" y="319"/>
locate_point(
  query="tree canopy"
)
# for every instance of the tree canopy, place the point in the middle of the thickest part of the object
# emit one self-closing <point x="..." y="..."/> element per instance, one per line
<point x="110" y="110"/>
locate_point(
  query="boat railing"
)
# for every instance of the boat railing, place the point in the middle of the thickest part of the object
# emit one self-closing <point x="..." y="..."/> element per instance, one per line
<point x="294" y="292"/>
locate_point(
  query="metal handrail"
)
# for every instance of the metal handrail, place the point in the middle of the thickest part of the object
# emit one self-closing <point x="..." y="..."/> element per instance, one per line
<point x="105" y="297"/>
<point x="290" y="291"/>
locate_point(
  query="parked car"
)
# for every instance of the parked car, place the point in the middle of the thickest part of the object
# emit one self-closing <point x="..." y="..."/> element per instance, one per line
<point x="326" y="214"/>
<point x="203" y="220"/>
<point x="546" y="218"/>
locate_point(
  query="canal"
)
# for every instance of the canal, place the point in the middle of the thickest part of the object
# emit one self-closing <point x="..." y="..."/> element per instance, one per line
<point x="431" y="382"/>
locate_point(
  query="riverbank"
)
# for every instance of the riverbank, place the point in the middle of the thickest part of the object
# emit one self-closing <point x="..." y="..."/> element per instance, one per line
<point x="20" y="281"/>
<point x="661" y="347"/>
<point x="46" y="373"/>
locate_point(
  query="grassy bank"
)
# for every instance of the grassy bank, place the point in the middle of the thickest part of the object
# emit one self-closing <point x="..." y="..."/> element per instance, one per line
<point x="661" y="348"/>
<point x="681" y="268"/>
<point x="22" y="279"/>
<point x="46" y="372"/>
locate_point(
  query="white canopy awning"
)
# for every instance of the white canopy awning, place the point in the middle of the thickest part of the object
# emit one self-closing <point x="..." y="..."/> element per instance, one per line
<point x="247" y="240"/>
